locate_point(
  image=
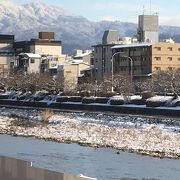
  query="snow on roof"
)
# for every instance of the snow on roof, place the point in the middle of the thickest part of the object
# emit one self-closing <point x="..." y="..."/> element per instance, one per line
<point x="31" y="55"/>
<point x="87" y="69"/>
<point x="82" y="55"/>
<point x="131" y="45"/>
<point x="77" y="61"/>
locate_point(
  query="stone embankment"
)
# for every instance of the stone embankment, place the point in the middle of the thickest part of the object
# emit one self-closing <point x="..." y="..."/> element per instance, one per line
<point x="148" y="140"/>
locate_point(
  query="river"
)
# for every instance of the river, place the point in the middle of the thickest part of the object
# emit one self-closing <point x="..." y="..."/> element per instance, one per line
<point x="102" y="163"/>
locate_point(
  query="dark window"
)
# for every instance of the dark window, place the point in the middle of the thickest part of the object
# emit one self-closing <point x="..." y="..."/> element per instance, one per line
<point x="32" y="60"/>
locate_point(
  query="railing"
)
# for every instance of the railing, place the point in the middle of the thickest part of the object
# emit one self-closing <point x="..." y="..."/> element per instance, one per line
<point x="14" y="169"/>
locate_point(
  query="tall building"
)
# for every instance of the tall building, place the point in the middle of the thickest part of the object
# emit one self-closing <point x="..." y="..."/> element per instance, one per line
<point x="148" y="28"/>
<point x="103" y="53"/>
<point x="110" y="36"/>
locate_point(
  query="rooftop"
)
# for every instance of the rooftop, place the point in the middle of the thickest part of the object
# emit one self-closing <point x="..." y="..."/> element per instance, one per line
<point x="131" y="45"/>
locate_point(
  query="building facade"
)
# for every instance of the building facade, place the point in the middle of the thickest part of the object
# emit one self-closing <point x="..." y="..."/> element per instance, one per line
<point x="7" y="58"/>
<point x="46" y="46"/>
<point x="146" y="58"/>
<point x="148" y="28"/>
<point x="29" y="63"/>
<point x="71" y="72"/>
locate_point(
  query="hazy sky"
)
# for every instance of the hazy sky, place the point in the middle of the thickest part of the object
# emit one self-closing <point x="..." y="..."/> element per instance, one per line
<point x="124" y="10"/>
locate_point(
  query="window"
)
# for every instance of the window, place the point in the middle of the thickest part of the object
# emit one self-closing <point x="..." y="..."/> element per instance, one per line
<point x="170" y="58"/>
<point x="170" y="68"/>
<point x="144" y="49"/>
<point x="158" y="48"/>
<point x="178" y="59"/>
<point x="157" y="68"/>
<point x="157" y="58"/>
<point x="53" y="65"/>
<point x="170" y="48"/>
<point x="32" y="60"/>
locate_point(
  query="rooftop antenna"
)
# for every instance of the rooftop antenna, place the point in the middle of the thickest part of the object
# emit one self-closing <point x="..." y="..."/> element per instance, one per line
<point x="150" y="7"/>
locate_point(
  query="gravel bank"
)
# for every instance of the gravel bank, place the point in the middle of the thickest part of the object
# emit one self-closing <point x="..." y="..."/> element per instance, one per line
<point x="96" y="131"/>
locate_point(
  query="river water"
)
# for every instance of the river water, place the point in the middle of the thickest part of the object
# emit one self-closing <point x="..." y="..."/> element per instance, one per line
<point x="102" y="163"/>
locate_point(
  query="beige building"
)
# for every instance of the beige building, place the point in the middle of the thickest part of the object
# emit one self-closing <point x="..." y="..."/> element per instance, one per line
<point x="72" y="71"/>
<point x="7" y="59"/>
<point x="46" y="46"/>
<point x="146" y="58"/>
<point x="86" y="57"/>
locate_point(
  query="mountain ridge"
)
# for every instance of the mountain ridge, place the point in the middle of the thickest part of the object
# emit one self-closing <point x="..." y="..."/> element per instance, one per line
<point x="25" y="21"/>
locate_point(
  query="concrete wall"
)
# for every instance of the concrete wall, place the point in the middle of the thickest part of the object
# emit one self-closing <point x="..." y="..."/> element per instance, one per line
<point x="34" y="65"/>
<point x="47" y="49"/>
<point x="13" y="169"/>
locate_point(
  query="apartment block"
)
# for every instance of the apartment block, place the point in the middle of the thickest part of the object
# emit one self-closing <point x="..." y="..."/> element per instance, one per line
<point x="146" y="58"/>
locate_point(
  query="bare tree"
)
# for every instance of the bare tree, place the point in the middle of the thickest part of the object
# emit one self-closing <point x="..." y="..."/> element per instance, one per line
<point x="166" y="82"/>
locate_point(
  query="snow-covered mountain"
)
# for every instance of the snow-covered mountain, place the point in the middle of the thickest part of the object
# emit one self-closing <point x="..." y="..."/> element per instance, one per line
<point x="25" y="21"/>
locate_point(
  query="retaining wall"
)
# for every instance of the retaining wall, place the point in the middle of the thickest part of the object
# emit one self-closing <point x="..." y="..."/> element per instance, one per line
<point x="121" y="109"/>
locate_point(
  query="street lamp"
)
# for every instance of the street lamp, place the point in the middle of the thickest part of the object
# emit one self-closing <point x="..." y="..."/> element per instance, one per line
<point x="112" y="64"/>
<point x="131" y="70"/>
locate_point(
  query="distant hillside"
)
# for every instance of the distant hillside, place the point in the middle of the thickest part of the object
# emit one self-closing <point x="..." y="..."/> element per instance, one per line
<point x="25" y="21"/>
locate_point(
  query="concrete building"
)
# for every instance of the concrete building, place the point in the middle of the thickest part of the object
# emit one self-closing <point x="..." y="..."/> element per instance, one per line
<point x="148" y="28"/>
<point x="46" y="46"/>
<point x="86" y="57"/>
<point x="146" y="58"/>
<point x="29" y="62"/>
<point x="72" y="71"/>
<point x="7" y="59"/>
<point x="103" y="53"/>
<point x="110" y="36"/>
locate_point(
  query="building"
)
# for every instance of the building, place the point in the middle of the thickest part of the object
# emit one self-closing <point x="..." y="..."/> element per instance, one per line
<point x="72" y="71"/>
<point x="148" y="28"/>
<point x="103" y="53"/>
<point x="110" y="36"/>
<point x="7" y="59"/>
<point x="46" y="46"/>
<point x="86" y="57"/>
<point x="147" y="58"/>
<point x="29" y="62"/>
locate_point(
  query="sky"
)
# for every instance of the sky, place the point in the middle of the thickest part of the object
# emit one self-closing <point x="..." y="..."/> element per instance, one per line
<point x="123" y="10"/>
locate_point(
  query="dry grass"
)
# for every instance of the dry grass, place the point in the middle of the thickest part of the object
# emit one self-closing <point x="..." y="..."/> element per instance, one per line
<point x="46" y="114"/>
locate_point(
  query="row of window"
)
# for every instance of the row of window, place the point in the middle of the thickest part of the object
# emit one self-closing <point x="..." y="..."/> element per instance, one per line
<point x="169" y="68"/>
<point x="168" y="48"/>
<point x="169" y="58"/>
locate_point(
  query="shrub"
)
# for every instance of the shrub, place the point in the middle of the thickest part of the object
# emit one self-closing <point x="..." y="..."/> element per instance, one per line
<point x="62" y="99"/>
<point x="75" y="99"/>
<point x="45" y="115"/>
<point x="101" y="100"/>
<point x="154" y="103"/>
<point x="147" y="94"/>
<point x="88" y="100"/>
<point x="138" y="101"/>
<point x="116" y="101"/>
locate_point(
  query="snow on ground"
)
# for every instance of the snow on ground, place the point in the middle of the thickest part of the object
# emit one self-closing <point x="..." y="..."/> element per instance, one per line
<point x="146" y="135"/>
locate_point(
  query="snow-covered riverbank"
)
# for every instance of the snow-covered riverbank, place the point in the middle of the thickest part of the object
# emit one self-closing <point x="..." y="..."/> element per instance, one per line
<point x="149" y="136"/>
